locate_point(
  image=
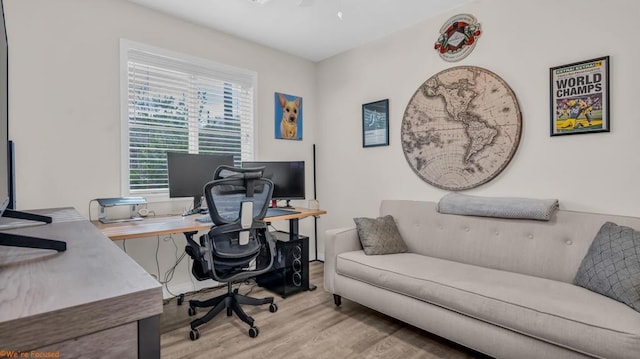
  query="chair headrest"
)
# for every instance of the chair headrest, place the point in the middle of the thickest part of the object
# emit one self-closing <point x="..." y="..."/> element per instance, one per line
<point x="231" y="187"/>
<point x="225" y="171"/>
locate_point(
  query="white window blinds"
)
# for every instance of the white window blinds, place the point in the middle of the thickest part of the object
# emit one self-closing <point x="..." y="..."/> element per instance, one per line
<point x="182" y="105"/>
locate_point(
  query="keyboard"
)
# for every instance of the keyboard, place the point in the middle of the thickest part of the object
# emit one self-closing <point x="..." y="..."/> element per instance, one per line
<point x="275" y="212"/>
<point x="195" y="211"/>
<point x="205" y="218"/>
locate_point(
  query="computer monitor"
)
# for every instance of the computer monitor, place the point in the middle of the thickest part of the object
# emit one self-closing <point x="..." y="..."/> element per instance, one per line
<point x="287" y="177"/>
<point x="188" y="173"/>
<point x="7" y="177"/>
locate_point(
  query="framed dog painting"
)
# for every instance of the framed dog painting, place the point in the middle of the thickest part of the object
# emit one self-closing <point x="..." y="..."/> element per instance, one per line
<point x="288" y="117"/>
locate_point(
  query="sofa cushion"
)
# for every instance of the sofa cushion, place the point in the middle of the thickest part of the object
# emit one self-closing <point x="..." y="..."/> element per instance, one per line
<point x="612" y="265"/>
<point x="379" y="235"/>
<point x="556" y="312"/>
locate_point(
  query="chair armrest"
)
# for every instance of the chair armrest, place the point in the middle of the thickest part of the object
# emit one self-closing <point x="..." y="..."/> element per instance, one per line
<point x="337" y="241"/>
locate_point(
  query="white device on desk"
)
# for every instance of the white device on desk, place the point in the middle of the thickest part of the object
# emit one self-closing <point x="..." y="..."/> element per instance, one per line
<point x="134" y="202"/>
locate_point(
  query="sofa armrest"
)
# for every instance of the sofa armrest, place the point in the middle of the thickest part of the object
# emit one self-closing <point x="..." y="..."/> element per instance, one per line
<point x="337" y="241"/>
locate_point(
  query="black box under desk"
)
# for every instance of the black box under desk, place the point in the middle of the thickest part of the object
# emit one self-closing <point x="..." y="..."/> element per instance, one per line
<point x="290" y="272"/>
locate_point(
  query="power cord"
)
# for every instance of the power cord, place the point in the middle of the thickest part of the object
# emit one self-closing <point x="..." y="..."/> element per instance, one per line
<point x="157" y="261"/>
<point x="168" y="276"/>
<point x="250" y="282"/>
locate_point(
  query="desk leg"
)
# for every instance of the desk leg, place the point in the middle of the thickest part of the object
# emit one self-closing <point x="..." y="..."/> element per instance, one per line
<point x="149" y="337"/>
<point x="293" y="228"/>
<point x="293" y="235"/>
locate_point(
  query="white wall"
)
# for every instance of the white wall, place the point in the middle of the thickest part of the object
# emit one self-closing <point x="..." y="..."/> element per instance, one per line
<point x="65" y="110"/>
<point x="521" y="40"/>
<point x="64" y="105"/>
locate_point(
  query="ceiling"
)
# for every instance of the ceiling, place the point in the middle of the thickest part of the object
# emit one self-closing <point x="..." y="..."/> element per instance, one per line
<point x="310" y="29"/>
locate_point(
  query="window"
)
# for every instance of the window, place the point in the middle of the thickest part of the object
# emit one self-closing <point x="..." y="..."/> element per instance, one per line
<point x="173" y="102"/>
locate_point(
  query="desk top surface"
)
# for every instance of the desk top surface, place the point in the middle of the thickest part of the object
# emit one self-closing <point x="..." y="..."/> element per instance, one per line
<point x="46" y="296"/>
<point x="163" y="225"/>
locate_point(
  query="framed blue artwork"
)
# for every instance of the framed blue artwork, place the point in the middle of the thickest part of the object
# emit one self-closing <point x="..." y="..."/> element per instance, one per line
<point x="288" y="117"/>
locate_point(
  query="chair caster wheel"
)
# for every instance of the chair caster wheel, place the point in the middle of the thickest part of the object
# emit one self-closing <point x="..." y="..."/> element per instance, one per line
<point x="273" y="308"/>
<point x="180" y="299"/>
<point x="192" y="311"/>
<point x="253" y="332"/>
<point x="194" y="334"/>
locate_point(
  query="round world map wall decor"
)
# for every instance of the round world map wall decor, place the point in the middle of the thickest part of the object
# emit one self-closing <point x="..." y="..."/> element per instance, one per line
<point x="461" y="128"/>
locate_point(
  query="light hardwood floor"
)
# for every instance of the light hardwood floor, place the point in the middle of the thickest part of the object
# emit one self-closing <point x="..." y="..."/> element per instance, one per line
<point x="306" y="325"/>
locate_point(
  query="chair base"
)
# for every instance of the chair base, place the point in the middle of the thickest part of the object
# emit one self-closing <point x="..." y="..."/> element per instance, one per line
<point x="230" y="301"/>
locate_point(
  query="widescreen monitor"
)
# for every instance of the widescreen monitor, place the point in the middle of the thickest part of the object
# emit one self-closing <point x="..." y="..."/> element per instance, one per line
<point x="188" y="173"/>
<point x="287" y="177"/>
<point x="5" y="173"/>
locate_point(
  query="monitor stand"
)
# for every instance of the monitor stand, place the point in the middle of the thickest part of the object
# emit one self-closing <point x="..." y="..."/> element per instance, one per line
<point x="274" y="204"/>
<point x="17" y="240"/>
<point x="197" y="207"/>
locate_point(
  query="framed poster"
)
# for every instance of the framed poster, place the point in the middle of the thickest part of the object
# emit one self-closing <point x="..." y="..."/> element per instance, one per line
<point x="580" y="97"/>
<point x="288" y="116"/>
<point x="375" y="123"/>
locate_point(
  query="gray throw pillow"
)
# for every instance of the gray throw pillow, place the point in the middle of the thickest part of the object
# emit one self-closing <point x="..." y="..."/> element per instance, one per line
<point x="612" y="265"/>
<point x="380" y="235"/>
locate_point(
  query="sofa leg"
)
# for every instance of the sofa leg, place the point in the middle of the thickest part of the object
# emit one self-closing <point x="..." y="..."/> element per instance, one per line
<point x="337" y="299"/>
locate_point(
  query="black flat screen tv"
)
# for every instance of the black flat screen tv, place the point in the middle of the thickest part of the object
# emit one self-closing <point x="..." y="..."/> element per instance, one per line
<point x="188" y="173"/>
<point x="287" y="177"/>
<point x="5" y="173"/>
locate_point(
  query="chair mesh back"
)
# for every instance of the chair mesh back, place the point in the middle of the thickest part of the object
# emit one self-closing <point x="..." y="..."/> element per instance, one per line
<point x="237" y="246"/>
<point x="233" y="186"/>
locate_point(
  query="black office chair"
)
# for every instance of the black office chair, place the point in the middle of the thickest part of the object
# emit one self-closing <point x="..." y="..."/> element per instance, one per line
<point x="237" y="247"/>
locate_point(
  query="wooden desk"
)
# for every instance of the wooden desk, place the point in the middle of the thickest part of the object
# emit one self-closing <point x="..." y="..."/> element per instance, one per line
<point x="162" y="225"/>
<point x="90" y="301"/>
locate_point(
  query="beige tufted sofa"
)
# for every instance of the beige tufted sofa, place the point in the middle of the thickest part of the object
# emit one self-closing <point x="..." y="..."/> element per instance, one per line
<point x="499" y="286"/>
